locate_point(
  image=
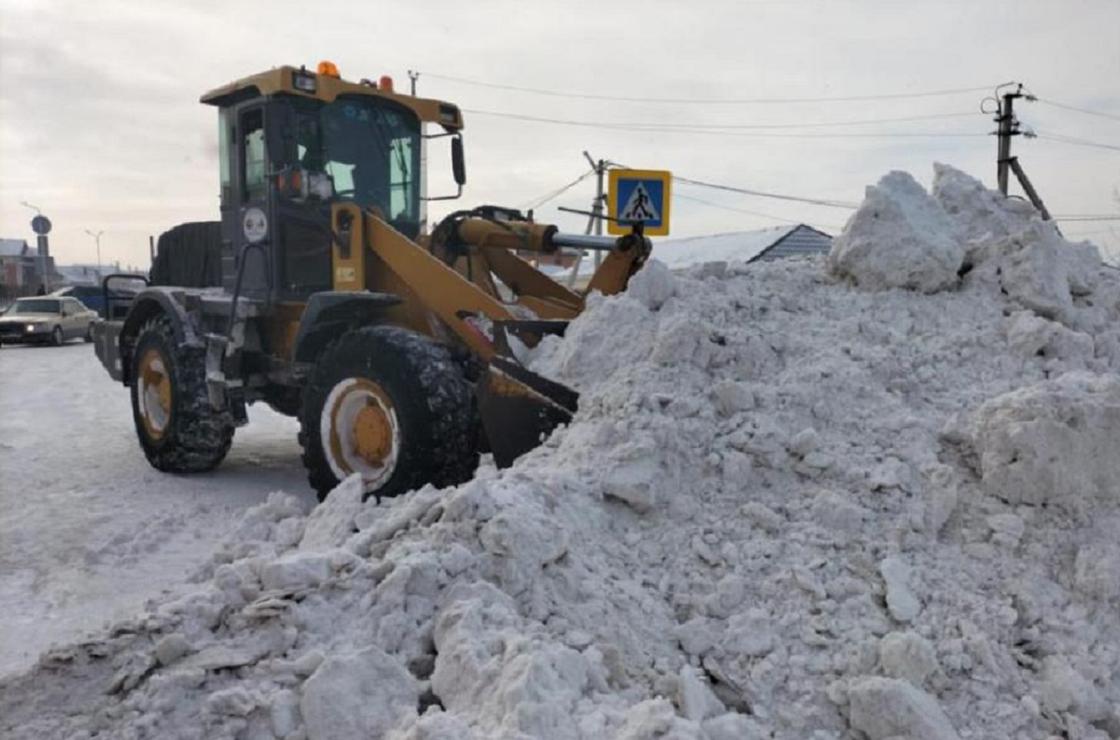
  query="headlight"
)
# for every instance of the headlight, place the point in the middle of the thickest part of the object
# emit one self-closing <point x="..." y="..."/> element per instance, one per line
<point x="30" y="327"/>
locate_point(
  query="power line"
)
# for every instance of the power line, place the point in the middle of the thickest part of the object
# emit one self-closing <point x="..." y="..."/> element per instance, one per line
<point x="1076" y="141"/>
<point x="538" y="202"/>
<point x="737" y="210"/>
<point x="644" y="125"/>
<point x="764" y="194"/>
<point x="683" y="128"/>
<point x="1087" y="111"/>
<point x="707" y="101"/>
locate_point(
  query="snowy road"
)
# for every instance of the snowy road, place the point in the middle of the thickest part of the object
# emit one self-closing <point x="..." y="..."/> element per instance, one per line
<point x="88" y="531"/>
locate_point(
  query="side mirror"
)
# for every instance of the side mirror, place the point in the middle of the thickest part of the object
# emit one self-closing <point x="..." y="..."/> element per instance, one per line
<point x="458" y="164"/>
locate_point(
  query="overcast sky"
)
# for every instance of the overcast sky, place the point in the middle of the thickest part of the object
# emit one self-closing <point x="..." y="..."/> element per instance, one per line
<point x="100" y="124"/>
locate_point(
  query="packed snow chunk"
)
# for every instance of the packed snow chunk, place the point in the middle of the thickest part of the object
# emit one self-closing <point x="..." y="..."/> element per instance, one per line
<point x="979" y="214"/>
<point x="653" y="285"/>
<point x="296" y="571"/>
<point x="331" y="523"/>
<point x="654" y="719"/>
<point x="889" y="708"/>
<point x="1034" y="268"/>
<point x="361" y="694"/>
<point x="1063" y="689"/>
<point x="1096" y="570"/>
<point x="1052" y="442"/>
<point x="898" y="238"/>
<point x="908" y="656"/>
<point x="901" y="601"/>
<point x="1031" y="335"/>
<point x="640" y="474"/>
<point x="695" y="697"/>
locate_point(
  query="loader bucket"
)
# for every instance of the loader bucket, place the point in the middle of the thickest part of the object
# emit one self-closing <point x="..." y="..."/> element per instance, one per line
<point x="520" y="408"/>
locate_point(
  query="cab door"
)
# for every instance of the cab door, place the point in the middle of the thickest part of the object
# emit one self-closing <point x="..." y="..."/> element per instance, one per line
<point x="247" y="229"/>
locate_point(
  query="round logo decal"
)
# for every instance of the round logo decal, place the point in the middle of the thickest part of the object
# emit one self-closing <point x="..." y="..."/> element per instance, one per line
<point x="254" y="224"/>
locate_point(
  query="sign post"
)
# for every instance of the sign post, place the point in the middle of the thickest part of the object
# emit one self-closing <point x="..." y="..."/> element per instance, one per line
<point x="41" y="225"/>
<point x="639" y="196"/>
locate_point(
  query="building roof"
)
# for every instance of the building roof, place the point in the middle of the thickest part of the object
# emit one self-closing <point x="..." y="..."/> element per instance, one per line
<point x="776" y="242"/>
<point x="737" y="246"/>
<point x="13" y="248"/>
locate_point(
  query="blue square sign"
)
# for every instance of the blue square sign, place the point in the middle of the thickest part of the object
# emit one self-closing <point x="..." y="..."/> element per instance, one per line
<point x="639" y="196"/>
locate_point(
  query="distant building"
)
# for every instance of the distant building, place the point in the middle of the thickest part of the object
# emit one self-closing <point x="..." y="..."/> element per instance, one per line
<point x="83" y="274"/>
<point x="779" y="242"/>
<point x="21" y="269"/>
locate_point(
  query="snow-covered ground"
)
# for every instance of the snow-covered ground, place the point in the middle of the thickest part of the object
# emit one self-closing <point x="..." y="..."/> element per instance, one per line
<point x="88" y="530"/>
<point x="873" y="497"/>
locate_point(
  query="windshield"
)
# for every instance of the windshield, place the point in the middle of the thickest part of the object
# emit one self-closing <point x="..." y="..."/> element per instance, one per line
<point x="370" y="148"/>
<point x="34" y="305"/>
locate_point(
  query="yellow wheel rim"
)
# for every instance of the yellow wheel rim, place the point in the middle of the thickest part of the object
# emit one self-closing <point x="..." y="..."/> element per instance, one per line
<point x="154" y="393"/>
<point x="360" y="432"/>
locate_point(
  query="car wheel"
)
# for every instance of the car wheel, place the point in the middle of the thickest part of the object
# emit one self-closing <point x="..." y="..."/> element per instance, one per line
<point x="56" y="337"/>
<point x="89" y="333"/>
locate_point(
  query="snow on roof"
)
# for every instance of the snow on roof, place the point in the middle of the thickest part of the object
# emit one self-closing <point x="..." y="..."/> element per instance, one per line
<point x="12" y="247"/>
<point x="737" y="246"/>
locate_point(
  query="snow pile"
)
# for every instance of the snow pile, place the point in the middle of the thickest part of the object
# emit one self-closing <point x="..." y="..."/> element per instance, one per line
<point x="786" y="509"/>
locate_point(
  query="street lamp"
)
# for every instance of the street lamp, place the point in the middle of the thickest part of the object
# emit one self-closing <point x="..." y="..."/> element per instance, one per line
<point x="97" y="240"/>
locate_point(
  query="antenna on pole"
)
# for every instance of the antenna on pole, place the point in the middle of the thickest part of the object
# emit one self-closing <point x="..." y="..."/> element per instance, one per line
<point x="413" y="76"/>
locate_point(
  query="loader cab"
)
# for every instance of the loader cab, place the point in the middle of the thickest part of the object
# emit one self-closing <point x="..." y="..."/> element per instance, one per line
<point x="292" y="143"/>
<point x="285" y="160"/>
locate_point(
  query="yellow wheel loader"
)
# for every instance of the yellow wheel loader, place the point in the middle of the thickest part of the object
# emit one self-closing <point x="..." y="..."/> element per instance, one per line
<point x="320" y="293"/>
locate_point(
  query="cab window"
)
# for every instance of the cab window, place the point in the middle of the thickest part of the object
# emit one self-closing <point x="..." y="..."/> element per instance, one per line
<point x="253" y="156"/>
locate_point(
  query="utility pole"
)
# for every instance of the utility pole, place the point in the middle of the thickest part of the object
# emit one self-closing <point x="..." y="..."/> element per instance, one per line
<point x="412" y="77"/>
<point x="97" y="241"/>
<point x="1008" y="127"/>
<point x="595" y="221"/>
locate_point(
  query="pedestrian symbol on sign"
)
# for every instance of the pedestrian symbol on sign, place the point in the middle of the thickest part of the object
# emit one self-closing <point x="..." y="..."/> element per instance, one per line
<point x="639" y="208"/>
<point x="639" y="199"/>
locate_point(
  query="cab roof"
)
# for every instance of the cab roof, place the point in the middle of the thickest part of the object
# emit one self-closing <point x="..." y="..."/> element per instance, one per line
<point x="301" y="82"/>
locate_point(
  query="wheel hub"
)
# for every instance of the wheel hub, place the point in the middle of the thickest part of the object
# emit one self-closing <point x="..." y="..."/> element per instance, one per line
<point x="360" y="432"/>
<point x="154" y="393"/>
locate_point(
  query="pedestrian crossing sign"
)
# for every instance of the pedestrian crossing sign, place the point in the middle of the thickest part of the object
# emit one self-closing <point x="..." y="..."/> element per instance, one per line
<point x="639" y="196"/>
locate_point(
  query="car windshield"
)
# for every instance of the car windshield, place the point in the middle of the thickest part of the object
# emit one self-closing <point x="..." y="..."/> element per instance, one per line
<point x="34" y="305"/>
<point x="371" y="150"/>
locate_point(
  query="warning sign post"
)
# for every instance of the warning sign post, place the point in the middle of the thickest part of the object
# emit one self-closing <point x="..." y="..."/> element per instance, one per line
<point x="639" y="196"/>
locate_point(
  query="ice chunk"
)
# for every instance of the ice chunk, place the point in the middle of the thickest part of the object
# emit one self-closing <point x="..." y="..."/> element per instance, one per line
<point x="358" y="694"/>
<point x="908" y="656"/>
<point x="1052" y="442"/>
<point x="889" y="708"/>
<point x="898" y="238"/>
<point x="901" y="601"/>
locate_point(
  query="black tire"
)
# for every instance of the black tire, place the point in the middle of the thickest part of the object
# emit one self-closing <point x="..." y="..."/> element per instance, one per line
<point x="195" y="437"/>
<point x="433" y="407"/>
<point x="57" y="337"/>
<point x="89" y="334"/>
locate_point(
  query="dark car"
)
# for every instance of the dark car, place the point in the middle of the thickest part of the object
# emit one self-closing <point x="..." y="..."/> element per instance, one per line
<point x="90" y="295"/>
<point x="46" y="320"/>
